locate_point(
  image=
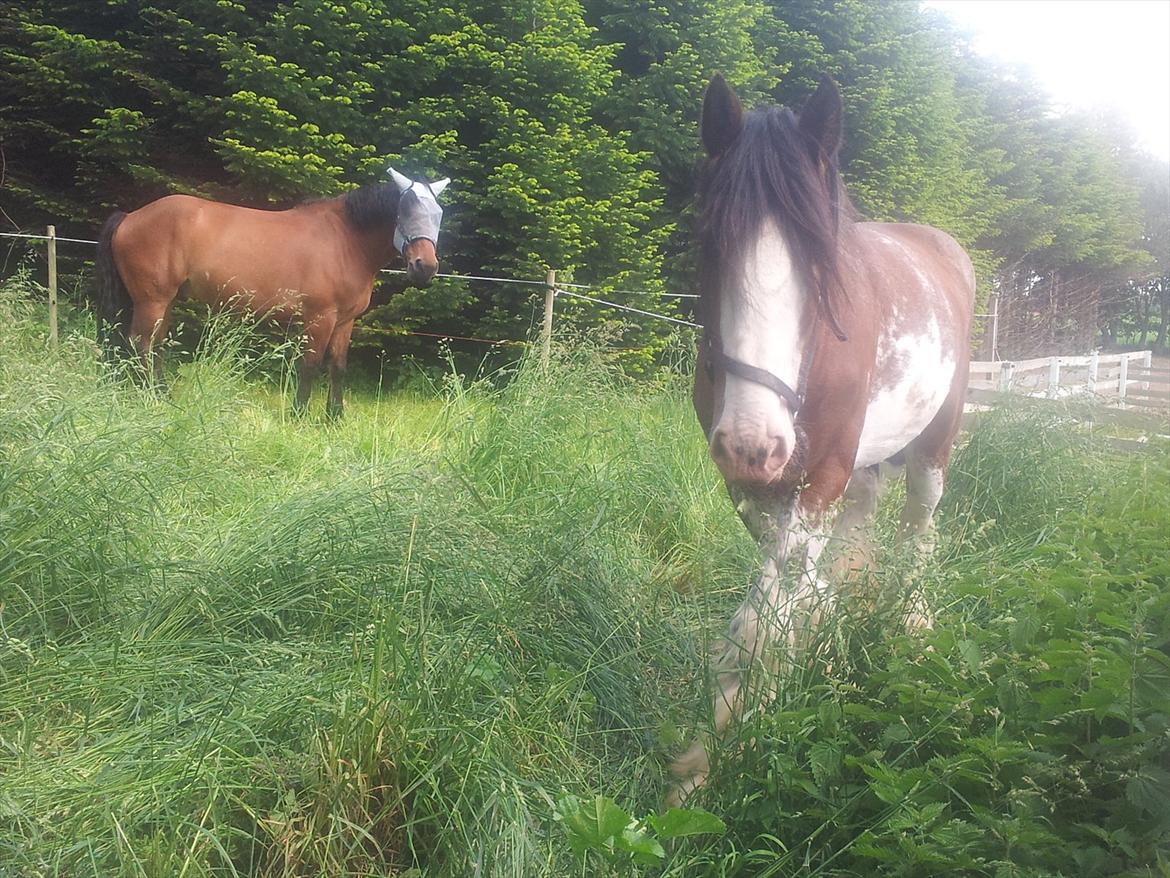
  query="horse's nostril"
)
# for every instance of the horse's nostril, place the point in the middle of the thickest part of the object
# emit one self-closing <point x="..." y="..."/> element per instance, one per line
<point x="778" y="452"/>
<point x="720" y="450"/>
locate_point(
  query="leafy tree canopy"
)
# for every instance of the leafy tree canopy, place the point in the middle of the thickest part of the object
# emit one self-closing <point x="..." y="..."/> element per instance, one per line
<point x="568" y="127"/>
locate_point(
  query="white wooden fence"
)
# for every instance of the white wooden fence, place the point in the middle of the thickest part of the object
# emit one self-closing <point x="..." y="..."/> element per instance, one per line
<point x="1127" y="380"/>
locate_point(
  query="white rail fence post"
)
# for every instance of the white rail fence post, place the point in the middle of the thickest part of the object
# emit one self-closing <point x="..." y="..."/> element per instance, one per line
<point x="1123" y="378"/>
<point x="1094" y="368"/>
<point x="995" y="326"/>
<point x="1006" y="375"/>
<point x="1053" y="377"/>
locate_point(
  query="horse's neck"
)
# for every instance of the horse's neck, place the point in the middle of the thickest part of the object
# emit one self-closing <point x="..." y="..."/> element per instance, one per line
<point x="377" y="243"/>
<point x="374" y="242"/>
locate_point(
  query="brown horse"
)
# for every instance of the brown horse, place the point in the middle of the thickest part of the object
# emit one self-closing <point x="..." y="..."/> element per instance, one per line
<point x="315" y="263"/>
<point x="830" y="346"/>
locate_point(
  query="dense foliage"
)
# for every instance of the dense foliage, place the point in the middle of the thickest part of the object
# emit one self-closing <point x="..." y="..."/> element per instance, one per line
<point x="462" y="633"/>
<point x="569" y="128"/>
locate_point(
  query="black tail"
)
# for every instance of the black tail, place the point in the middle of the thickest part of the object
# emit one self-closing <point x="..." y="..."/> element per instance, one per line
<point x="113" y="304"/>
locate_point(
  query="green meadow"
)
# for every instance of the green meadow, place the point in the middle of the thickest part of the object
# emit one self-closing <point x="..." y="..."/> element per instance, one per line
<point x="435" y="637"/>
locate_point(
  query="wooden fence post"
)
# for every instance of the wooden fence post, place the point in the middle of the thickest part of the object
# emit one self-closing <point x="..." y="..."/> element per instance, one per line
<point x="1094" y="368"/>
<point x="1123" y="379"/>
<point x="550" y="294"/>
<point x="1147" y="364"/>
<point x="52" y="232"/>
<point x="1053" y="377"/>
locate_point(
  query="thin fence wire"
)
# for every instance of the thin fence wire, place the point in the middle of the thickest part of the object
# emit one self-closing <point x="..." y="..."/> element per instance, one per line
<point x="46" y="237"/>
<point x="567" y="286"/>
<point x="566" y="289"/>
<point x="560" y="285"/>
<point x="449" y="336"/>
<point x="499" y="280"/>
<point x="627" y="308"/>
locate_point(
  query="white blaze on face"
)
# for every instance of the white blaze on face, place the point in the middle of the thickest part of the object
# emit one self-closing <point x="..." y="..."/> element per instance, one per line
<point x="760" y="316"/>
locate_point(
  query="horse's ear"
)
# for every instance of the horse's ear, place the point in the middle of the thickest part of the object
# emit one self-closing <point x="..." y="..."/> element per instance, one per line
<point x="403" y="183"/>
<point x="439" y="185"/>
<point x="722" y="116"/>
<point x="821" y="118"/>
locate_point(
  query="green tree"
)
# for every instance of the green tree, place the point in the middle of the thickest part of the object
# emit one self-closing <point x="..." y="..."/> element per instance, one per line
<point x="270" y="103"/>
<point x="569" y="129"/>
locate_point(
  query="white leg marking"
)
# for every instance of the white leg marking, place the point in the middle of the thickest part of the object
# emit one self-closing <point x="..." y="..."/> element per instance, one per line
<point x="775" y="613"/>
<point x="924" y="487"/>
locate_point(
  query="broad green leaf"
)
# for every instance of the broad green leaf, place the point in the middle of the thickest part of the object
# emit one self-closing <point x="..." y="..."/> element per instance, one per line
<point x="591" y="825"/>
<point x="1024" y="631"/>
<point x="679" y="822"/>
<point x="1148" y="789"/>
<point x="971" y="654"/>
<point x="825" y="761"/>
<point x="644" y="848"/>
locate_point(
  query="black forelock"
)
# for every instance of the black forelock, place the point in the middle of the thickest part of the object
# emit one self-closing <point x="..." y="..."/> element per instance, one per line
<point x="773" y="170"/>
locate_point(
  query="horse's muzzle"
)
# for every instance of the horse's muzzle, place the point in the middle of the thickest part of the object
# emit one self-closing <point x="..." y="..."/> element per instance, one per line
<point x="421" y="261"/>
<point x="421" y="274"/>
<point x="749" y="463"/>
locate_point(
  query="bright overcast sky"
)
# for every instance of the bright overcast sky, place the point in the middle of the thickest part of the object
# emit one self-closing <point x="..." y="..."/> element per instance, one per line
<point x="1086" y="53"/>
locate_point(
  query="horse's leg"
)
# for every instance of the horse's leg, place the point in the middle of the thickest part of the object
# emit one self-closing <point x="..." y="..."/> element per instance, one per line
<point x="779" y="610"/>
<point x="927" y="459"/>
<point x="318" y="331"/>
<point x="338" y="355"/>
<point x="152" y="285"/>
<point x="859" y="502"/>
<point x="767" y="521"/>
<point x="148" y="327"/>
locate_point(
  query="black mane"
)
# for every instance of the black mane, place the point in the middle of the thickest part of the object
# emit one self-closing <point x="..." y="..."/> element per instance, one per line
<point x="372" y="205"/>
<point x="773" y="171"/>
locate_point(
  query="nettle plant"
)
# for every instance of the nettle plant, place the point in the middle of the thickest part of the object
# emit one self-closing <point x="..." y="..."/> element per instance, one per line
<point x="600" y="827"/>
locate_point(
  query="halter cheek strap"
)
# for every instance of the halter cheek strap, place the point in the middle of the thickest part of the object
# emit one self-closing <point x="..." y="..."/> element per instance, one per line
<point x="717" y="359"/>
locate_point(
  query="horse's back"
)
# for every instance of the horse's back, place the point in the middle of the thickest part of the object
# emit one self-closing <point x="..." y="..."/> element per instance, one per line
<point x="172" y="228"/>
<point x="941" y="259"/>
<point x="264" y="260"/>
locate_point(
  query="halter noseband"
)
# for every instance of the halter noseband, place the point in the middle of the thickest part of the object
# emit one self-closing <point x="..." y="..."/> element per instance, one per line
<point x="717" y="359"/>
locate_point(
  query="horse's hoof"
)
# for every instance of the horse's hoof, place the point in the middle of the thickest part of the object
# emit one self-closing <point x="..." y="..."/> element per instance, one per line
<point x="681" y="791"/>
<point x="919" y="621"/>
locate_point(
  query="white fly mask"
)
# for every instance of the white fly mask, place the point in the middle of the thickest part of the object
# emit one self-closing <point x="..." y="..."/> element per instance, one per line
<point x="419" y="214"/>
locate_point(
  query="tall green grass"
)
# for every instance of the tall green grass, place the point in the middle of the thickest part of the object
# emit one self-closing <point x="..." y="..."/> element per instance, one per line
<point x="233" y="642"/>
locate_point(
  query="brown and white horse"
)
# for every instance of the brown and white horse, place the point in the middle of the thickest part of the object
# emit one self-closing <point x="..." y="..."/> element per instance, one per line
<point x="315" y="263"/>
<point x="830" y="346"/>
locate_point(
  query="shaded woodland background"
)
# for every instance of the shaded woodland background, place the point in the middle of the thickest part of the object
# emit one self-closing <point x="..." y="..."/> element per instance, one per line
<point x="570" y="131"/>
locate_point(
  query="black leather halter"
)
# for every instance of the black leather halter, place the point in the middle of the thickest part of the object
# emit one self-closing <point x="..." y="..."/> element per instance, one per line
<point x="715" y="358"/>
